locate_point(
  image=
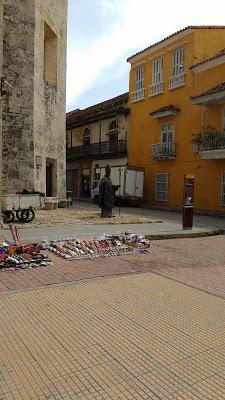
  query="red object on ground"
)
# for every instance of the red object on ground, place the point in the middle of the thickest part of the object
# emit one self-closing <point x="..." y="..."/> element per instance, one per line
<point x="14" y="232"/>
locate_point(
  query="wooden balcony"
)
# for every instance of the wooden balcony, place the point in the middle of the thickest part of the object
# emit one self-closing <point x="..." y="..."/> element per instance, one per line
<point x="212" y="148"/>
<point x="97" y="150"/>
<point x="164" y="151"/>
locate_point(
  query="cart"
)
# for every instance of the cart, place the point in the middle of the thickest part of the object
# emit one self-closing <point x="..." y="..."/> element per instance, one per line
<point x="21" y="205"/>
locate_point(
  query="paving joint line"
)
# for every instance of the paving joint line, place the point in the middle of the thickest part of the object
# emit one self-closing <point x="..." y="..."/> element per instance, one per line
<point x="188" y="284"/>
<point x="164" y="341"/>
<point x="140" y="349"/>
<point x="94" y="278"/>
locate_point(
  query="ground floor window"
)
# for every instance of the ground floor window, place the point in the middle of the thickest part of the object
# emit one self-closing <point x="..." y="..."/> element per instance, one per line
<point x="223" y="189"/>
<point x="161" y="187"/>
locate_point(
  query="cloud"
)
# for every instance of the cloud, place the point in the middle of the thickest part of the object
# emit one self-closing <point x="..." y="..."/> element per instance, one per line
<point x="86" y="60"/>
<point x="127" y="26"/>
<point x="113" y="81"/>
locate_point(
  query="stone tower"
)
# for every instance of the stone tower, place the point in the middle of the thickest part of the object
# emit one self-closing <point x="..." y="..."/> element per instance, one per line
<point x="33" y="109"/>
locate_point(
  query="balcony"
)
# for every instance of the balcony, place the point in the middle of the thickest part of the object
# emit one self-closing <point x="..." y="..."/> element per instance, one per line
<point x="212" y="148"/>
<point x="138" y="95"/>
<point x="156" y="88"/>
<point x="176" y="81"/>
<point x="164" y="151"/>
<point x="97" y="150"/>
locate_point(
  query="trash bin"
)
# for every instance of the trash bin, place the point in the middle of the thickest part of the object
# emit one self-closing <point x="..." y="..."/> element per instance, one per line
<point x="70" y="196"/>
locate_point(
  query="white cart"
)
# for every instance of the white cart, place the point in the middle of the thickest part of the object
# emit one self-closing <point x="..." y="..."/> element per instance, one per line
<point x="21" y="205"/>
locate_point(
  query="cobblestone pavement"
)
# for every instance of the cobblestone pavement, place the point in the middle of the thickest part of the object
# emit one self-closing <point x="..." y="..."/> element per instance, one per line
<point x="198" y="262"/>
<point x="132" y="337"/>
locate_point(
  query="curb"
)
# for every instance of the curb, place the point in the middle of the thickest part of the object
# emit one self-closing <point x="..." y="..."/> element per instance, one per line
<point x="184" y="235"/>
<point x="164" y="236"/>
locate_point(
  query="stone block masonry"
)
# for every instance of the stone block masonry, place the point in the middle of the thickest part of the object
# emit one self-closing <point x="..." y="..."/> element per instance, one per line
<point x="34" y="38"/>
<point x="18" y="67"/>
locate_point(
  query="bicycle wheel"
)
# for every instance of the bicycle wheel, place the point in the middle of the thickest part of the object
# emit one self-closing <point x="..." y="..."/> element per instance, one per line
<point x="8" y="216"/>
<point x="18" y="215"/>
<point x="27" y="215"/>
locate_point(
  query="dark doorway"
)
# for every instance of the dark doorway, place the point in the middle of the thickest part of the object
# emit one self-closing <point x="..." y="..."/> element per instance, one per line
<point x="72" y="181"/>
<point x="49" y="179"/>
<point x="85" y="182"/>
<point x="113" y="140"/>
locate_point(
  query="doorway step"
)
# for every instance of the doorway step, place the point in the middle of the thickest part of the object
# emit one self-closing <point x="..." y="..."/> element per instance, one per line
<point x="51" y="203"/>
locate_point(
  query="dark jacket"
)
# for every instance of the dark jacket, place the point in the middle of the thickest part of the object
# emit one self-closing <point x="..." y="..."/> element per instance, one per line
<point x="106" y="193"/>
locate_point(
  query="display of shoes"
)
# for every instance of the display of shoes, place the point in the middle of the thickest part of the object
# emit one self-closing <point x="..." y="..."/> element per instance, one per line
<point x="103" y="246"/>
<point x="21" y="256"/>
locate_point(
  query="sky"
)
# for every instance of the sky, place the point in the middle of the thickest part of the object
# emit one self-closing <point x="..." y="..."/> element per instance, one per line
<point x="102" y="34"/>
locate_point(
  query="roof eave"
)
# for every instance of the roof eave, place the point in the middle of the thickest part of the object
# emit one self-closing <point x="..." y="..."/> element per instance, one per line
<point x="160" y="44"/>
<point x="212" y="62"/>
<point x="210" y="99"/>
<point x="161" y="114"/>
<point x="121" y="110"/>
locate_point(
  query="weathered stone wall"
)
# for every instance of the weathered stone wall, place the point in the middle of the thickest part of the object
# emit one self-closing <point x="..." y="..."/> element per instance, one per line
<point x="1" y="63"/>
<point x="34" y="109"/>
<point x="50" y="99"/>
<point x="17" y="113"/>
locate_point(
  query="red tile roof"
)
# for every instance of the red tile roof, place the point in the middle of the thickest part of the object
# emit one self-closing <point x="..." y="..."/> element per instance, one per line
<point x="79" y="116"/>
<point x="174" y="34"/>
<point x="217" y="55"/>
<point x="171" y="107"/>
<point x="215" y="89"/>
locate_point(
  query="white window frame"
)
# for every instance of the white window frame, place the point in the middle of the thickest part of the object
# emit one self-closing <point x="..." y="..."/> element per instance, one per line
<point x="223" y="189"/>
<point x="157" y="77"/>
<point x="139" y="84"/>
<point x="177" y="62"/>
<point x="177" y="70"/>
<point x="139" y="78"/>
<point x="157" y="71"/>
<point x="170" y="128"/>
<point x="166" y="182"/>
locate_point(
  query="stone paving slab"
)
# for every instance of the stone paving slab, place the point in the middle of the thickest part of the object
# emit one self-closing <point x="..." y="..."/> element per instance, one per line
<point x="132" y="337"/>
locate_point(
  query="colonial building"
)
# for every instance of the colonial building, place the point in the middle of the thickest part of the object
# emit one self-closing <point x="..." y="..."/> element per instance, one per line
<point x="96" y="136"/>
<point x="177" y="126"/>
<point x="33" y="99"/>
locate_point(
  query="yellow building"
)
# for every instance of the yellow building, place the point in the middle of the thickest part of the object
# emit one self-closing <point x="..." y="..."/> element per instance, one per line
<point x="177" y="122"/>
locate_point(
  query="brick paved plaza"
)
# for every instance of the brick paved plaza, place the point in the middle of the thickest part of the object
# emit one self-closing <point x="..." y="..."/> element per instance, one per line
<point x="198" y="262"/>
<point x="131" y="336"/>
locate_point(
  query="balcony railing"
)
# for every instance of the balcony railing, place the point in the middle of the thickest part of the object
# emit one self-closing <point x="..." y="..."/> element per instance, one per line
<point x="164" y="151"/>
<point x="212" y="147"/>
<point x="97" y="149"/>
<point x="155" y="89"/>
<point x="138" y="95"/>
<point x="177" y="81"/>
<point x="212" y="142"/>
